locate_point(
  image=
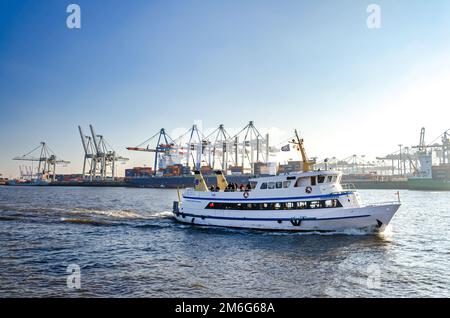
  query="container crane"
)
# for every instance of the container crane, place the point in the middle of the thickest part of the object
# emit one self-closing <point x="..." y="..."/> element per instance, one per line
<point x="99" y="155"/>
<point x="219" y="147"/>
<point x="45" y="158"/>
<point x="164" y="144"/>
<point x="252" y="144"/>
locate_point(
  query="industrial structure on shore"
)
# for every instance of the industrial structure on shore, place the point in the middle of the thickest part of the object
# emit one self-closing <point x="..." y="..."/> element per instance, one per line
<point x="240" y="153"/>
<point x="239" y="156"/>
<point x="45" y="171"/>
<point x="99" y="157"/>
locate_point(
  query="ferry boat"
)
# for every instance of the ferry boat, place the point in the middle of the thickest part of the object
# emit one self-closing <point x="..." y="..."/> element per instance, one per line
<point x="307" y="201"/>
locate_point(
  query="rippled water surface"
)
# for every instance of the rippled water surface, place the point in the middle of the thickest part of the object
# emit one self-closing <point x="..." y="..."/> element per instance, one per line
<point x="127" y="245"/>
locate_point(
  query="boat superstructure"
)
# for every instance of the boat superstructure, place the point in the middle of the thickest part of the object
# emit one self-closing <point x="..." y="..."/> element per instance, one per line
<point x="311" y="200"/>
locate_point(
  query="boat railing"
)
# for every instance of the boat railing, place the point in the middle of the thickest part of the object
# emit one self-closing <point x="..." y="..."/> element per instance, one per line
<point x="382" y="203"/>
<point x="189" y="191"/>
<point x="348" y="186"/>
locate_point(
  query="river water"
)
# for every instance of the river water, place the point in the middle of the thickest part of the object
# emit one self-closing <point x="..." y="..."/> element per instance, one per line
<point x="127" y="245"/>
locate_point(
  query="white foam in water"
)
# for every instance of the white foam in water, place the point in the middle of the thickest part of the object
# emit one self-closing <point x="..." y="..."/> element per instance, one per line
<point x="110" y="213"/>
<point x="163" y="214"/>
<point x="388" y="231"/>
<point x="356" y="231"/>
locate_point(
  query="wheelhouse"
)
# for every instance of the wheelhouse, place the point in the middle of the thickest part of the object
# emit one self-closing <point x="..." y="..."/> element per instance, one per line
<point x="303" y="180"/>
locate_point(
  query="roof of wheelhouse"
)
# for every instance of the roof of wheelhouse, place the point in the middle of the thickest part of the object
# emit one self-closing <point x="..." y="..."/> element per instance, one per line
<point x="298" y="174"/>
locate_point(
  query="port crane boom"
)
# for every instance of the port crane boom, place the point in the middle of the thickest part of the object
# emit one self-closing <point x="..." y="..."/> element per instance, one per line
<point x="252" y="144"/>
<point x="99" y="155"/>
<point x="46" y="159"/>
<point x="160" y="147"/>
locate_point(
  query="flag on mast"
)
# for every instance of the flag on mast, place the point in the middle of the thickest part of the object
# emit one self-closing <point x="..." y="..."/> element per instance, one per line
<point x="286" y="148"/>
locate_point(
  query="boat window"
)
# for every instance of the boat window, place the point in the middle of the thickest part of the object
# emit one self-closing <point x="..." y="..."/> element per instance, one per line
<point x="279" y="185"/>
<point x="329" y="179"/>
<point x="301" y="205"/>
<point x="286" y="184"/>
<point x="302" y="182"/>
<point x="317" y="204"/>
<point x="253" y="184"/>
<point x="321" y="179"/>
<point x="334" y="203"/>
<point x="264" y="185"/>
<point x="313" y="181"/>
<point x="314" y="204"/>
<point x="271" y="185"/>
<point x="334" y="179"/>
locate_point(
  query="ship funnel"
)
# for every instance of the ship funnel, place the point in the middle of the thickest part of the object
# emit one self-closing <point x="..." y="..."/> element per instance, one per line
<point x="200" y="184"/>
<point x="221" y="180"/>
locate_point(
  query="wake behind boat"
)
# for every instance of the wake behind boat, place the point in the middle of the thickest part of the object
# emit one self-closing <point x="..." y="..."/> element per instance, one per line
<point x="303" y="201"/>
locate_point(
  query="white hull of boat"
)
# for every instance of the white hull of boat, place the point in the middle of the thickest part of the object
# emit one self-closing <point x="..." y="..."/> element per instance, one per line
<point x="371" y="217"/>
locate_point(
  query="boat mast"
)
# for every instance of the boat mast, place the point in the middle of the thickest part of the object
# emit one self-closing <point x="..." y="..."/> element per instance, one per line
<point x="308" y="165"/>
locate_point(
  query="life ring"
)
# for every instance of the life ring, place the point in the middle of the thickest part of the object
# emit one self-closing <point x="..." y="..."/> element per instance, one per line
<point x="308" y="190"/>
<point x="245" y="194"/>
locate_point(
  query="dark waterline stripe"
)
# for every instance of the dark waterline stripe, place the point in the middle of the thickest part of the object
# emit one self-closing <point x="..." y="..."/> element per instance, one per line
<point x="270" y="219"/>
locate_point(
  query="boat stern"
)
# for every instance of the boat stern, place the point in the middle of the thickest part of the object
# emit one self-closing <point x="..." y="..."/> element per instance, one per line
<point x="176" y="207"/>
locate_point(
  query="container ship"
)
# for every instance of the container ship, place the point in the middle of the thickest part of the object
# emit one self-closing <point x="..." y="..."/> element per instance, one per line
<point x="428" y="176"/>
<point x="438" y="179"/>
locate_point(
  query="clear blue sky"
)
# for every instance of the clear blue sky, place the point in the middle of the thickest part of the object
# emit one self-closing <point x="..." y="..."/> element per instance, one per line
<point x="136" y="66"/>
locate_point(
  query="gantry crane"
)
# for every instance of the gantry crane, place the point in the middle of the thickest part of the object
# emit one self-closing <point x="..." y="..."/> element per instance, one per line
<point x="99" y="156"/>
<point x="46" y="159"/>
<point x="164" y="144"/>
<point x="252" y="144"/>
<point x="218" y="147"/>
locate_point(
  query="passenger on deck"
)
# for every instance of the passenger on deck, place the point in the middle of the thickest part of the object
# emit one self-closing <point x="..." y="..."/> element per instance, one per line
<point x="241" y="188"/>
